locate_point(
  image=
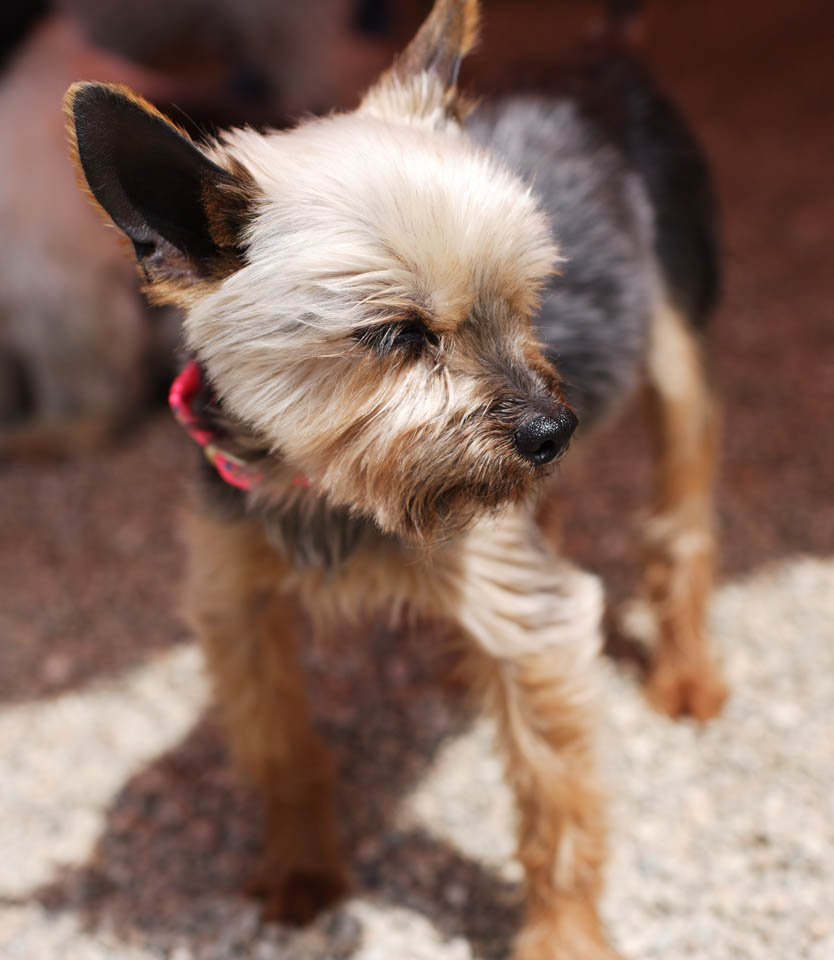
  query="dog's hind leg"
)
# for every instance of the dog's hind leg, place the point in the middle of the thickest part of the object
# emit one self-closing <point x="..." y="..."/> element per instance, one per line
<point x="247" y="628"/>
<point x="679" y="545"/>
<point x="532" y="623"/>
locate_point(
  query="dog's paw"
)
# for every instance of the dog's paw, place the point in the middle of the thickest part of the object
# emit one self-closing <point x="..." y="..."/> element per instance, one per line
<point x="296" y="896"/>
<point x="564" y="940"/>
<point x="553" y="950"/>
<point x="679" y="687"/>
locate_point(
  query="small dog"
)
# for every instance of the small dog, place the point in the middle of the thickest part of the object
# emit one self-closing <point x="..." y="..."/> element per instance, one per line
<point x="385" y="366"/>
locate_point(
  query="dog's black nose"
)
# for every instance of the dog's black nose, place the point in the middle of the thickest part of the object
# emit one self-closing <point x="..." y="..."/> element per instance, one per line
<point x="541" y="439"/>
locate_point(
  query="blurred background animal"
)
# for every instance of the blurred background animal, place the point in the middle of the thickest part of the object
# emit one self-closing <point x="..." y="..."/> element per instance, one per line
<point x="81" y="353"/>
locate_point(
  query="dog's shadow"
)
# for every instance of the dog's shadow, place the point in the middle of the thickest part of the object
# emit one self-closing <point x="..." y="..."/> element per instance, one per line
<point x="182" y="836"/>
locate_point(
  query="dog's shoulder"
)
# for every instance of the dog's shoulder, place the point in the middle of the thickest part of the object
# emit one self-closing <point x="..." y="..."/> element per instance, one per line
<point x="594" y="315"/>
<point x="630" y="198"/>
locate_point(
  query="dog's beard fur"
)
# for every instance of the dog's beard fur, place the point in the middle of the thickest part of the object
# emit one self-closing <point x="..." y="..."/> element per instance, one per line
<point x="369" y="233"/>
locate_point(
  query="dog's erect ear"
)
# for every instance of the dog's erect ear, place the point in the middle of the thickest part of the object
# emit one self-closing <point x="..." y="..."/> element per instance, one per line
<point x="435" y="54"/>
<point x="442" y="42"/>
<point x="184" y="214"/>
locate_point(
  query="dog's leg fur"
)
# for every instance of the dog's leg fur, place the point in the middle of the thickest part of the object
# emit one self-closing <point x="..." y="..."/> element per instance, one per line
<point x="538" y="701"/>
<point x="533" y="626"/>
<point x="247" y="629"/>
<point x="679" y="551"/>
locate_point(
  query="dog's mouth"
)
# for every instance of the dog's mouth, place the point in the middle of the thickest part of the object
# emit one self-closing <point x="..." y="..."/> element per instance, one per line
<point x="499" y="474"/>
<point x="452" y="509"/>
<point x="426" y="486"/>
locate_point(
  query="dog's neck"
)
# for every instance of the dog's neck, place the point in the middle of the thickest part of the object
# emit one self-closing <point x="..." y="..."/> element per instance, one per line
<point x="198" y="411"/>
<point x="296" y="521"/>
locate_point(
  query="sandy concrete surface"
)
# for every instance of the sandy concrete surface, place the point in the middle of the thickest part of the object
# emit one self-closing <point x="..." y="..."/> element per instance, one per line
<point x="125" y="834"/>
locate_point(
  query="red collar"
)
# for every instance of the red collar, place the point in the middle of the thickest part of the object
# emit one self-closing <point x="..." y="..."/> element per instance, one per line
<point x="182" y="398"/>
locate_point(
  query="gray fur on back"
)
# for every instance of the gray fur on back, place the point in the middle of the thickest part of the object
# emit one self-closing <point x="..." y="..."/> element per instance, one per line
<point x="595" y="313"/>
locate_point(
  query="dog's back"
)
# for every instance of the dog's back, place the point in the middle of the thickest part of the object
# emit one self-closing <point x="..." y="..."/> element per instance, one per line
<point x="630" y="197"/>
<point x="631" y="200"/>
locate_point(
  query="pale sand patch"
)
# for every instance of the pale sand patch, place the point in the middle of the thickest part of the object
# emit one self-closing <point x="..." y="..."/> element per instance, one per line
<point x="64" y="759"/>
<point x="722" y="837"/>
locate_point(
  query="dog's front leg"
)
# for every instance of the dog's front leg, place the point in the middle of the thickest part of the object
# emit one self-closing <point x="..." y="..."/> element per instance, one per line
<point x="533" y="626"/>
<point x="247" y="628"/>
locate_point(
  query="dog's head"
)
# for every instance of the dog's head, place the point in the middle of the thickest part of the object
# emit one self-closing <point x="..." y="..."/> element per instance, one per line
<point x="358" y="289"/>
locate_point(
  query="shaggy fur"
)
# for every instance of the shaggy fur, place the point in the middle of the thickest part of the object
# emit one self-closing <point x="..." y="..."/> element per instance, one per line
<point x="385" y="322"/>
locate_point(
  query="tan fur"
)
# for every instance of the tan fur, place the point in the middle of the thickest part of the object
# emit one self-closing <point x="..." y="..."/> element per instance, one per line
<point x="541" y="702"/>
<point x="247" y="627"/>
<point x="530" y="625"/>
<point x="679" y="553"/>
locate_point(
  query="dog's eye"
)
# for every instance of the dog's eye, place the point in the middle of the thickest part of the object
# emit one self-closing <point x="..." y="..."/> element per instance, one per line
<point x="411" y="334"/>
<point x="414" y="334"/>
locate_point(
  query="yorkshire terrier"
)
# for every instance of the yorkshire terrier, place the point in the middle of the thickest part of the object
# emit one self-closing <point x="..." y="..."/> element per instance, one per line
<point x="389" y="351"/>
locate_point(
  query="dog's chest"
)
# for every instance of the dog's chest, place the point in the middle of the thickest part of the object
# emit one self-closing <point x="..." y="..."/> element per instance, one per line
<point x="314" y="534"/>
<point x="304" y="530"/>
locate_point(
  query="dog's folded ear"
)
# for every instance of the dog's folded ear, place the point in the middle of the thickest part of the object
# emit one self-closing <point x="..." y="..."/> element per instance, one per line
<point x="184" y="214"/>
<point x="422" y="84"/>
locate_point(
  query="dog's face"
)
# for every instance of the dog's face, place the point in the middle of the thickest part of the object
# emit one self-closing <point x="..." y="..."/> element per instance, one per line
<point x="358" y="289"/>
